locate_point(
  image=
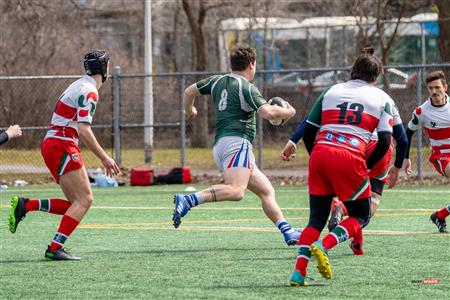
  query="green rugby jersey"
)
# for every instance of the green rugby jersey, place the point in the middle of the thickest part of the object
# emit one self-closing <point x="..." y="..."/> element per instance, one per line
<point x="236" y="101"/>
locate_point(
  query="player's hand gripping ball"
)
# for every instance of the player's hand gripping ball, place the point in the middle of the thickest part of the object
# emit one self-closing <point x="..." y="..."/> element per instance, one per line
<point x="282" y="103"/>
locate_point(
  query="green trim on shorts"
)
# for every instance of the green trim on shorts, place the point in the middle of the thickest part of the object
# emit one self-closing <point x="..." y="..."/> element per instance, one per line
<point x="61" y="163"/>
<point x="360" y="189"/>
<point x="383" y="175"/>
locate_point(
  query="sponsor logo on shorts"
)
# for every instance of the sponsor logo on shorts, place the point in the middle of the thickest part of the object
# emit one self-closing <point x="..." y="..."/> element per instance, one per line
<point x="354" y="142"/>
<point x="341" y="139"/>
<point x="76" y="157"/>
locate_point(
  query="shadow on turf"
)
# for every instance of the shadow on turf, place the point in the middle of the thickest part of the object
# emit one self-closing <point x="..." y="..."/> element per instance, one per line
<point x="268" y="286"/>
<point x="23" y="261"/>
<point x="265" y="258"/>
<point x="181" y="251"/>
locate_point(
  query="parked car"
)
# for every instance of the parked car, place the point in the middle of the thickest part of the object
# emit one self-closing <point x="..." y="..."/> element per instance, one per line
<point x="292" y="80"/>
<point x="297" y="81"/>
<point x="397" y="79"/>
<point x="300" y="82"/>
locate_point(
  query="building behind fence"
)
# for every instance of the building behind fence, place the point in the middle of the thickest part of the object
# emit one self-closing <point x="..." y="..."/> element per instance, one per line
<point x="119" y="120"/>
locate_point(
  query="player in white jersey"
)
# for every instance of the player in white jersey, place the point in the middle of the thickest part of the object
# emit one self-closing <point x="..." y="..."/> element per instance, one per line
<point x="379" y="174"/>
<point x="70" y="121"/>
<point x="434" y="116"/>
<point x="337" y="132"/>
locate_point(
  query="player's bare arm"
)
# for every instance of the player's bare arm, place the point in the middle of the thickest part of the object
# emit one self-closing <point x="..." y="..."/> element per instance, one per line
<point x="88" y="138"/>
<point x="272" y="112"/>
<point x="189" y="97"/>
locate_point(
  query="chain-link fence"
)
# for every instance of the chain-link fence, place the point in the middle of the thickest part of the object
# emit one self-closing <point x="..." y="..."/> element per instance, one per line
<point x="119" y="122"/>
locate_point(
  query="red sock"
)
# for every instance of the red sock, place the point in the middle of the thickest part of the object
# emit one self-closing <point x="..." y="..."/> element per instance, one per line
<point x="309" y="235"/>
<point x="443" y="213"/>
<point x="358" y="238"/>
<point x="59" y="206"/>
<point x="32" y="205"/>
<point x="52" y="205"/>
<point x="67" y="226"/>
<point x="344" y="231"/>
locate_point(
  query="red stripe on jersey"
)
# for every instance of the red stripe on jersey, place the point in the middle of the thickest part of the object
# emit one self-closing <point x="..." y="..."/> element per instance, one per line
<point x="438" y="133"/>
<point x="65" y="131"/>
<point x="64" y="110"/>
<point x="367" y="122"/>
<point x="437" y="149"/>
<point x="92" y="96"/>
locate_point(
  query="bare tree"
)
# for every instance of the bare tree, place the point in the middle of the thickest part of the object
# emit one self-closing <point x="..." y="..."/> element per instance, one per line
<point x="40" y="37"/>
<point x="381" y="25"/>
<point x="444" y="28"/>
<point x="196" y="12"/>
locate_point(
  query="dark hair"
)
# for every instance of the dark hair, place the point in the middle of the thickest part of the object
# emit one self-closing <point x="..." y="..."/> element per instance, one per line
<point x="366" y="67"/>
<point x="435" y="75"/>
<point x="241" y="58"/>
<point x="368" y="49"/>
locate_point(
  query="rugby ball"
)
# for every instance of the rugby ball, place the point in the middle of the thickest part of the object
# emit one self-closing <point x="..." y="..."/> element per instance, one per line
<point x="280" y="102"/>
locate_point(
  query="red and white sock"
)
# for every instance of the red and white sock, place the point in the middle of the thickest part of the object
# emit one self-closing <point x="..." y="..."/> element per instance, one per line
<point x="309" y="235"/>
<point x="67" y="226"/>
<point x="52" y="205"/>
<point x="345" y="230"/>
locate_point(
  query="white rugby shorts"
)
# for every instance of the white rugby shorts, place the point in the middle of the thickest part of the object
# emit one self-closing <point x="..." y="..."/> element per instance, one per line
<point x="233" y="152"/>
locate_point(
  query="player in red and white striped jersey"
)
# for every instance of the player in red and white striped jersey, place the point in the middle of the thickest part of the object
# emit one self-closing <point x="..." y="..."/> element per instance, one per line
<point x="434" y="116"/>
<point x="70" y="121"/>
<point x="337" y="132"/>
<point x="76" y="105"/>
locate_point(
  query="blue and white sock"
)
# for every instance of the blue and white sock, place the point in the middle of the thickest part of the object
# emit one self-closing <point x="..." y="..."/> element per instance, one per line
<point x="284" y="226"/>
<point x="194" y="199"/>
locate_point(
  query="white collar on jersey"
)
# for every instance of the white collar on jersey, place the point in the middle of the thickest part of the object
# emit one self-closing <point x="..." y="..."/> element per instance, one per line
<point x="91" y="80"/>
<point x="447" y="100"/>
<point x="360" y="81"/>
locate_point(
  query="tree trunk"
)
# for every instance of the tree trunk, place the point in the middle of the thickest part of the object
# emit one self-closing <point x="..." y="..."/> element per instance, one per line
<point x="444" y="29"/>
<point x="200" y="124"/>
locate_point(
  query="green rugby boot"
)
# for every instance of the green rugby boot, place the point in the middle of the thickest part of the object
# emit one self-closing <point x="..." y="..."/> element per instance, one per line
<point x="17" y="213"/>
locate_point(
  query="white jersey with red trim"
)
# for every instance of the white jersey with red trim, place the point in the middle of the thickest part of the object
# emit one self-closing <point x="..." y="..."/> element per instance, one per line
<point x="349" y="112"/>
<point x="396" y="119"/>
<point x="76" y="105"/>
<point x="436" y="122"/>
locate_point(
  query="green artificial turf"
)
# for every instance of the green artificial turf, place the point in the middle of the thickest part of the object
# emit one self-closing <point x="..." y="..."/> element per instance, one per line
<point x="227" y="250"/>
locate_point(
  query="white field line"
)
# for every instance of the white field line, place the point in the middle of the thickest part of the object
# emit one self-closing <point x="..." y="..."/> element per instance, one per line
<point x="7" y="206"/>
<point x="238" y="229"/>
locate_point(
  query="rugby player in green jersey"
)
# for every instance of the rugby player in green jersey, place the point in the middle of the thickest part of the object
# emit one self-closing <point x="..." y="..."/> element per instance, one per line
<point x="236" y="102"/>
